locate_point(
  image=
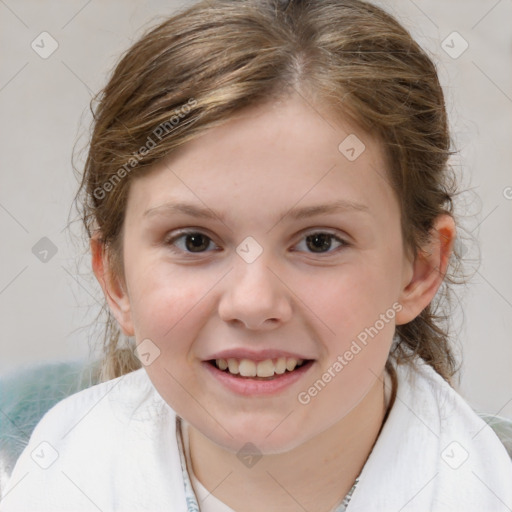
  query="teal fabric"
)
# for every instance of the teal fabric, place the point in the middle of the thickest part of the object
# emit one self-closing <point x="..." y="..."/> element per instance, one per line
<point x="28" y="394"/>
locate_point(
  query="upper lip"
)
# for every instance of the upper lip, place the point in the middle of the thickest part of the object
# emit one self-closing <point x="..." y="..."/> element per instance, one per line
<point x="255" y="355"/>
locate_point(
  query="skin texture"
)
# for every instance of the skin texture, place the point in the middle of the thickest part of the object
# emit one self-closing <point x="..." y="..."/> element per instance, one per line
<point x="254" y="169"/>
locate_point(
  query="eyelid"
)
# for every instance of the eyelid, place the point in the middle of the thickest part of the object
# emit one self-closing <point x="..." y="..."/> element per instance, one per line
<point x="329" y="231"/>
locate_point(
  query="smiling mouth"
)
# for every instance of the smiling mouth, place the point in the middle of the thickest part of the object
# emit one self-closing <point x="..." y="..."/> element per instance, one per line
<point x="268" y="369"/>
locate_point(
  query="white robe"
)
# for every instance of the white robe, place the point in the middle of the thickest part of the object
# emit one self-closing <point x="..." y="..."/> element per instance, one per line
<point x="113" y="447"/>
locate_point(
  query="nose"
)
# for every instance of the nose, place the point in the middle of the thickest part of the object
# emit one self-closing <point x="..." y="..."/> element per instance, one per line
<point x="255" y="296"/>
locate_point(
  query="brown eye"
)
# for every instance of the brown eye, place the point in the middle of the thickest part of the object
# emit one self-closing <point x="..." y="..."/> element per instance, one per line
<point x="321" y="242"/>
<point x="196" y="242"/>
<point x="192" y="242"/>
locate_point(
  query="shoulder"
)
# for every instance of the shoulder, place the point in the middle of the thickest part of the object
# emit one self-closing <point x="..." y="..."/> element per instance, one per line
<point x="428" y="390"/>
<point x="116" y="399"/>
<point x="430" y="397"/>
<point x="432" y="430"/>
<point x="104" y="444"/>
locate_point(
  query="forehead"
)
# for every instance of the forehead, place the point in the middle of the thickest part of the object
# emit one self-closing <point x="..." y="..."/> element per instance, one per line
<point x="277" y="155"/>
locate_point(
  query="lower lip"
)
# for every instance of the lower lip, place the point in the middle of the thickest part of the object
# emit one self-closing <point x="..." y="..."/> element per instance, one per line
<point x="248" y="387"/>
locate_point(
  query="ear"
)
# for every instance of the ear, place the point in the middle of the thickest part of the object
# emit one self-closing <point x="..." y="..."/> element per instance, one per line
<point x="423" y="277"/>
<point x="117" y="297"/>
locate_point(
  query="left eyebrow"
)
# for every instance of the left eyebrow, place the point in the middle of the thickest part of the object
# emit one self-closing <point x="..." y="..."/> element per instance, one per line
<point x="341" y="205"/>
<point x="195" y="210"/>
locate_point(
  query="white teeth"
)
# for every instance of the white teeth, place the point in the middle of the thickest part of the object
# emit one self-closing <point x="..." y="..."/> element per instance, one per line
<point x="233" y="366"/>
<point x="266" y="368"/>
<point x="247" y="368"/>
<point x="291" y="363"/>
<point x="280" y="365"/>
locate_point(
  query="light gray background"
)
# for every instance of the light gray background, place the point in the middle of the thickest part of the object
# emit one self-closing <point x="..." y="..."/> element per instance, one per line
<point x="47" y="310"/>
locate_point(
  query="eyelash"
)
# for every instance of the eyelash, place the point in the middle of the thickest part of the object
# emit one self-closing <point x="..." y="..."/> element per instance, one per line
<point x="170" y="241"/>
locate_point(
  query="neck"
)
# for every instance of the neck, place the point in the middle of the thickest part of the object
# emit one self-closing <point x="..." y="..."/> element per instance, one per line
<point x="314" y="476"/>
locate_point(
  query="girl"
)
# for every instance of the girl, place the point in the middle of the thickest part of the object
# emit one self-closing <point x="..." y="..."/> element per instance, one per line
<point x="270" y="218"/>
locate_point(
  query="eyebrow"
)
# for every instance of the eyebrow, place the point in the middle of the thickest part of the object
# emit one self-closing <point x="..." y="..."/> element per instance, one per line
<point x="304" y="212"/>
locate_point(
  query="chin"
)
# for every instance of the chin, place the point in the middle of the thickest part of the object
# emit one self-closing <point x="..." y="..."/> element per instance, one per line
<point x="267" y="437"/>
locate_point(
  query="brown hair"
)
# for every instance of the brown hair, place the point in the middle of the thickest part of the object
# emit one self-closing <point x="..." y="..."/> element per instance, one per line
<point x="208" y="62"/>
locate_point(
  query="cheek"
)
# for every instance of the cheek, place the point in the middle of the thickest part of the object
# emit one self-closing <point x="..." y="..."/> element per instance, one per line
<point x="359" y="307"/>
<point x="164" y="300"/>
<point x="353" y="296"/>
<point x="165" y="309"/>
<point x="171" y="313"/>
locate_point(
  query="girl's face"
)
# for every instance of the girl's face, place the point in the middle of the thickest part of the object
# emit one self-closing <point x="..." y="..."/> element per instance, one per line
<point x="294" y="250"/>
